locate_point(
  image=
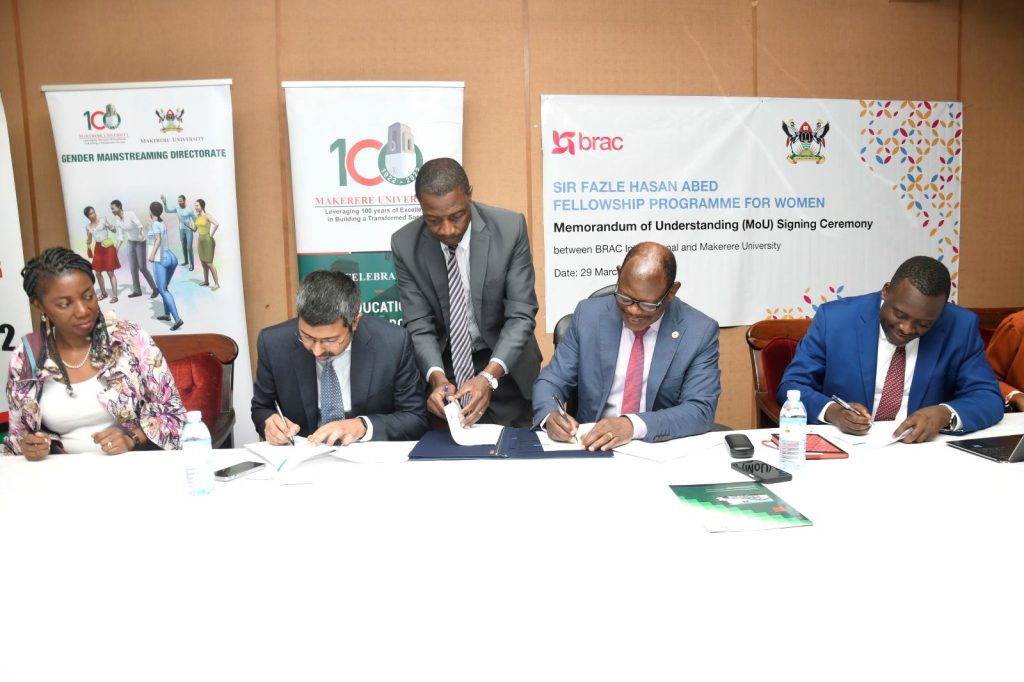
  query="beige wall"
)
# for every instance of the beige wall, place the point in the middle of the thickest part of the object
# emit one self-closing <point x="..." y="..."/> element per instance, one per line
<point x="509" y="52"/>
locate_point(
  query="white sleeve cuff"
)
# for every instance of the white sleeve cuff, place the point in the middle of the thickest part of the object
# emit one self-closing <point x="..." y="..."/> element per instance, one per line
<point x="368" y="436"/>
<point x="432" y="370"/>
<point x="954" y="421"/>
<point x="639" y="427"/>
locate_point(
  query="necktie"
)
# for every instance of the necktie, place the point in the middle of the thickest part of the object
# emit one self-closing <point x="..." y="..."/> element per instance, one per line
<point x="332" y="407"/>
<point x="458" y="332"/>
<point x="892" y="390"/>
<point x="634" y="375"/>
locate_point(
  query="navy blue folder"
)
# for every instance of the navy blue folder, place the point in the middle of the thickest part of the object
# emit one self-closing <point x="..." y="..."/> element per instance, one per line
<point x="512" y="444"/>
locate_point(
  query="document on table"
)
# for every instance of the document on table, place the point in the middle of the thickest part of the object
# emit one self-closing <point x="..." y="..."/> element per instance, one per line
<point x="672" y="449"/>
<point x="478" y="434"/>
<point x="280" y="457"/>
<point x="878" y="436"/>
<point x="550" y="445"/>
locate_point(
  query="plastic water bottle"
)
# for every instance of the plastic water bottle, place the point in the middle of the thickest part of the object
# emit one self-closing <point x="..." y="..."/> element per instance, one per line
<point x="198" y="451"/>
<point x="792" y="432"/>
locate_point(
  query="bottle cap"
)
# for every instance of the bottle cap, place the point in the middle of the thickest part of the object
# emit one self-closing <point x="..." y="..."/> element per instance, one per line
<point x="793" y="394"/>
<point x="193" y="416"/>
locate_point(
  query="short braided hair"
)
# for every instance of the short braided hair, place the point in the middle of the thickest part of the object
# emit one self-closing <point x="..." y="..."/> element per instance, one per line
<point x="36" y="275"/>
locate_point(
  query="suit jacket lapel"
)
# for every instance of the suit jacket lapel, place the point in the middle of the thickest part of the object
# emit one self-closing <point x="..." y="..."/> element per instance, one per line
<point x="927" y="357"/>
<point x="305" y="378"/>
<point x="479" y="248"/>
<point x="610" y="334"/>
<point x="867" y="348"/>
<point x="664" y="350"/>
<point x="437" y="268"/>
<point x="361" y="370"/>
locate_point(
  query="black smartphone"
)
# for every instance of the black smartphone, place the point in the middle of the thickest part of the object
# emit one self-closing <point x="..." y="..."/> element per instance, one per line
<point x="237" y="470"/>
<point x="762" y="471"/>
<point x="740" y="446"/>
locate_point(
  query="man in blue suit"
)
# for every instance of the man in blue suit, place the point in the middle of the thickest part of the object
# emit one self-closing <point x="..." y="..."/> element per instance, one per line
<point x="644" y="364"/>
<point x="905" y="352"/>
<point x="337" y="376"/>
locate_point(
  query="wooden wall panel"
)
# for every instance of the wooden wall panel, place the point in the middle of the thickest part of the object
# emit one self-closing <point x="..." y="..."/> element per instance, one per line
<point x="509" y="52"/>
<point x="992" y="242"/>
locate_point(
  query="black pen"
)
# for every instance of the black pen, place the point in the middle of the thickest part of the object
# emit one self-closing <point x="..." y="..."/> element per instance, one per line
<point x="563" y="414"/>
<point x="845" y="405"/>
<point x="284" y="424"/>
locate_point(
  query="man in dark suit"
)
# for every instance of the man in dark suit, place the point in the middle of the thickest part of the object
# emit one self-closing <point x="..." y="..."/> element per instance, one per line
<point x="337" y="376"/>
<point x="465" y="279"/>
<point x="644" y="364"/>
<point x="902" y="351"/>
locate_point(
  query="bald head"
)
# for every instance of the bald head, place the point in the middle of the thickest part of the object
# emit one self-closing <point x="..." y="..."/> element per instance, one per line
<point x="647" y="276"/>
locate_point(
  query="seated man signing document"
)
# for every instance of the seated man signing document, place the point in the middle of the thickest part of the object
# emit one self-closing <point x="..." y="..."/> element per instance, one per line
<point x="644" y="364"/>
<point x="336" y="375"/>
<point x="903" y="355"/>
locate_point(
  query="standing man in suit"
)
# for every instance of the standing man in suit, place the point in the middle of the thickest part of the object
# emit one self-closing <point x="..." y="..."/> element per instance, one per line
<point x="465" y="279"/>
<point x="644" y="364"/>
<point x="902" y="354"/>
<point x="336" y="375"/>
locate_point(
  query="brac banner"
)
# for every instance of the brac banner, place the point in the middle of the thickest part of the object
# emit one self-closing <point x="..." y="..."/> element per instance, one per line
<point x="142" y="159"/>
<point x="356" y="148"/>
<point x="772" y="206"/>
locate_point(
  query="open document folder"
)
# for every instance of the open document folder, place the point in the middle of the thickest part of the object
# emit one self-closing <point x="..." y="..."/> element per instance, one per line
<point x="281" y="457"/>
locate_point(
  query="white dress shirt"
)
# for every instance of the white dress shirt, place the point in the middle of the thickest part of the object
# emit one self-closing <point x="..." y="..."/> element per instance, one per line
<point x="613" y="407"/>
<point x="343" y="368"/>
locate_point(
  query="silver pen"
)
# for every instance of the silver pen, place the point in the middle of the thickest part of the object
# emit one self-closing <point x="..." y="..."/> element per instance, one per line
<point x="284" y="423"/>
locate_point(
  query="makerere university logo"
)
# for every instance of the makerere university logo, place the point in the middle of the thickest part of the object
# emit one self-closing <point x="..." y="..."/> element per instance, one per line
<point x="569" y="142"/>
<point x="171" y="121"/>
<point x="805" y="144"/>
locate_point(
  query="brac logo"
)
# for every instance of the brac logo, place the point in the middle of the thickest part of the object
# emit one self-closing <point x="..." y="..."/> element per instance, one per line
<point x="398" y="161"/>
<point x="570" y="141"/>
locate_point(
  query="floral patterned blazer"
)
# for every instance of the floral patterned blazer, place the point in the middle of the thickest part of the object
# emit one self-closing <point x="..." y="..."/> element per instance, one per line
<point x="139" y="389"/>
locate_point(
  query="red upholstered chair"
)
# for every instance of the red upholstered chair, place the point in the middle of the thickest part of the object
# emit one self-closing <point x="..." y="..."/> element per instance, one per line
<point x="772" y="345"/>
<point x="203" y="367"/>
<point x="989" y="319"/>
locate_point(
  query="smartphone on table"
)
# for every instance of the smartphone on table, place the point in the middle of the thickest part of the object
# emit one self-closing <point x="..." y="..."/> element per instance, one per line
<point x="237" y="470"/>
<point x="762" y="471"/>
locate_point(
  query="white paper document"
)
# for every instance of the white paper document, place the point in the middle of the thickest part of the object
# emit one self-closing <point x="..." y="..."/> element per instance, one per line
<point x="281" y="457"/>
<point x="672" y="449"/>
<point x="878" y="436"/>
<point x="478" y="434"/>
<point x="550" y="445"/>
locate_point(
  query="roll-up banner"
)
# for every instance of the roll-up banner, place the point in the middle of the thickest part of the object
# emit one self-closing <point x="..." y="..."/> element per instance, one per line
<point x="15" y="320"/>
<point x="356" y="148"/>
<point x="141" y="159"/>
<point x="772" y="206"/>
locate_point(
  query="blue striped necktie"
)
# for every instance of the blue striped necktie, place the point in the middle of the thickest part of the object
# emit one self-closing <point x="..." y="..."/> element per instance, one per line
<point x="332" y="407"/>
<point x="458" y="315"/>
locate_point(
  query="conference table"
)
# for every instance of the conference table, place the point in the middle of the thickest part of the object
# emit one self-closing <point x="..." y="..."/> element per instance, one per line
<point x="562" y="569"/>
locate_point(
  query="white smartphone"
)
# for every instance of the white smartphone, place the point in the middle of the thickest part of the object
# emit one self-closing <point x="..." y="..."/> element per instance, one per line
<point x="237" y="470"/>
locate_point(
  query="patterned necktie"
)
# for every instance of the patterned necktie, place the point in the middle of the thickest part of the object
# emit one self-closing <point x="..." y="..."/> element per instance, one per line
<point x="892" y="390"/>
<point x="634" y="375"/>
<point x="332" y="407"/>
<point x="458" y="333"/>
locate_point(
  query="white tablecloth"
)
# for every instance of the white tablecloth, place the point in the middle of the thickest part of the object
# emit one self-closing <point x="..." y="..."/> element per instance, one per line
<point x="509" y="570"/>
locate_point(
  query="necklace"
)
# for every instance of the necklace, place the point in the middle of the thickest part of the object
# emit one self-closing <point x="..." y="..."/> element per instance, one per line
<point x="79" y="365"/>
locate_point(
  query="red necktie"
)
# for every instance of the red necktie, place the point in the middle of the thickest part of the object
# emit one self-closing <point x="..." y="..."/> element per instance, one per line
<point x="892" y="391"/>
<point x="634" y="375"/>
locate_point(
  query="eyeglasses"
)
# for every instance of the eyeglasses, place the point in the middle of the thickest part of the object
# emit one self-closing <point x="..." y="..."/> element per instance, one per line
<point x="308" y="341"/>
<point x="645" y="306"/>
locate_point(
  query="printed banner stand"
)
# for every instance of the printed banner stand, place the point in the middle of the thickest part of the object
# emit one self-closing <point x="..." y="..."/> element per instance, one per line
<point x="356" y="148"/>
<point x="772" y="206"/>
<point x="141" y="159"/>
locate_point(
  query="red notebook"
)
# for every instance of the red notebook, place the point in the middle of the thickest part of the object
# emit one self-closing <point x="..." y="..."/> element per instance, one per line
<point x="819" y="447"/>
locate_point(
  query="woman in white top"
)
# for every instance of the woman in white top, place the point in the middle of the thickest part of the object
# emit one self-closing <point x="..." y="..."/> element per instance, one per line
<point x="104" y="256"/>
<point x="84" y="383"/>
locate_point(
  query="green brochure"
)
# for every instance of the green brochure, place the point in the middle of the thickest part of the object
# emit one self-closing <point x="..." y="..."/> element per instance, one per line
<point x="738" y="506"/>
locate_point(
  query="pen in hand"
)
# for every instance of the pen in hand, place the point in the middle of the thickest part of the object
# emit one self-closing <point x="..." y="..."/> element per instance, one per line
<point x="847" y="406"/>
<point x="284" y="423"/>
<point x="564" y="415"/>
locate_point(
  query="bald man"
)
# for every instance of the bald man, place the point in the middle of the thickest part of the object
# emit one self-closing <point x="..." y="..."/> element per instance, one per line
<point x="643" y="363"/>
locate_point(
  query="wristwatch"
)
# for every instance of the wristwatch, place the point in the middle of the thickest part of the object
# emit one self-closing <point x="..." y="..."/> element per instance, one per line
<point x="490" y="380"/>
